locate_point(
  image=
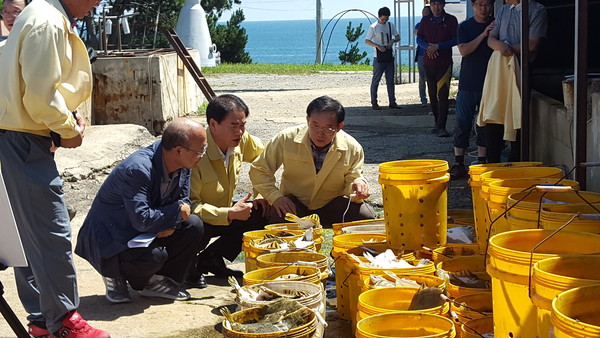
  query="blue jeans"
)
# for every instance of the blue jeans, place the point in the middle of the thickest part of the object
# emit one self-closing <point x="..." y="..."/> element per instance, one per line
<point x="422" y="80"/>
<point x="467" y="104"/>
<point x="48" y="286"/>
<point x="378" y="70"/>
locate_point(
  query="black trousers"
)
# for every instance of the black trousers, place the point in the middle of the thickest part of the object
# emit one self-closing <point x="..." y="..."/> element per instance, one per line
<point x="438" y="87"/>
<point x="494" y="140"/>
<point x="229" y="244"/>
<point x="170" y="256"/>
<point x="331" y="212"/>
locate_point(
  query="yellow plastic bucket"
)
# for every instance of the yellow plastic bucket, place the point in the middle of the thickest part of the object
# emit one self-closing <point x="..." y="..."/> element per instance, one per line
<point x="337" y="227"/>
<point x="499" y="191"/>
<point x="405" y="324"/>
<point x="509" y="267"/>
<point x="415" y="202"/>
<point x="553" y="220"/>
<point x="307" y="273"/>
<point x="421" y="279"/>
<point x="392" y="299"/>
<point x="475" y="172"/>
<point x="256" y="235"/>
<point x="357" y="273"/>
<point x="479" y="306"/>
<point x="317" y="232"/>
<point x="360" y="272"/>
<point x="475" y="264"/>
<point x="525" y="214"/>
<point x="495" y="192"/>
<point x="297" y="257"/>
<point x="448" y="252"/>
<point x="575" y="313"/>
<point x="304" y="331"/>
<point x="341" y="243"/>
<point x="252" y="252"/>
<point x="555" y="275"/>
<point x="480" y="325"/>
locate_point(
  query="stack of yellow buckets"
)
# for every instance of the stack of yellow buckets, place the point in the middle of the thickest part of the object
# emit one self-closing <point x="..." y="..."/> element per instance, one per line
<point x="533" y="269"/>
<point x="517" y="218"/>
<point x="415" y="215"/>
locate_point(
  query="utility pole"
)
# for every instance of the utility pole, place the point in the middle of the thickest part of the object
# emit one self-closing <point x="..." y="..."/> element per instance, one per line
<point x="318" y="59"/>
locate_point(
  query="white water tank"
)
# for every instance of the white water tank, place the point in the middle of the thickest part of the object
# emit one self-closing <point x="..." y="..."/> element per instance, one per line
<point x="192" y="29"/>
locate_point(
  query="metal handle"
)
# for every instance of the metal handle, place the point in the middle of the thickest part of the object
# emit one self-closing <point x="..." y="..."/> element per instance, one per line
<point x="589" y="164"/>
<point x="589" y="217"/>
<point x="554" y="188"/>
<point x="456" y="319"/>
<point x="537" y="246"/>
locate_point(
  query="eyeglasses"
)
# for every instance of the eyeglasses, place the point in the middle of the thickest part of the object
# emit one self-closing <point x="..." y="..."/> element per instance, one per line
<point x="326" y="130"/>
<point x="13" y="13"/>
<point x="199" y="153"/>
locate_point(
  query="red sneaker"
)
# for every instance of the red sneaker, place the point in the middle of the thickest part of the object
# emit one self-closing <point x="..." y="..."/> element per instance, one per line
<point x="37" y="332"/>
<point x="76" y="327"/>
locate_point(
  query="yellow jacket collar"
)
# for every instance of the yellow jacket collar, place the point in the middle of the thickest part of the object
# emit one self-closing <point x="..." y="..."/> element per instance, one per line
<point x="213" y="152"/>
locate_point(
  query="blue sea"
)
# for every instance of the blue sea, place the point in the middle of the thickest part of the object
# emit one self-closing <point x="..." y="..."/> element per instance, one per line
<point x="293" y="42"/>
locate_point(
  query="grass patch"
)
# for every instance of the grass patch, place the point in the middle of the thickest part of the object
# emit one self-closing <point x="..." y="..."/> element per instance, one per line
<point x="267" y="68"/>
<point x="202" y="109"/>
<point x="283" y="69"/>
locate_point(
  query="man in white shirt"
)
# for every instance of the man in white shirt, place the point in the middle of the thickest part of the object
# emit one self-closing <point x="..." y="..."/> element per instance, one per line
<point x="382" y="35"/>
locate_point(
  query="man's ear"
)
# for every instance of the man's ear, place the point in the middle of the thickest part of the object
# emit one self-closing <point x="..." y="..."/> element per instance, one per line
<point x="212" y="123"/>
<point x="340" y="125"/>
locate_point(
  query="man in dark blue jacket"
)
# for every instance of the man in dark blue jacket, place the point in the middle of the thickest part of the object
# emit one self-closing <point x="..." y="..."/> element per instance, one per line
<point x="139" y="229"/>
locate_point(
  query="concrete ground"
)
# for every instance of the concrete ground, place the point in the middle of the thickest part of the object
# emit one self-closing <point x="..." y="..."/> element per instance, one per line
<point x="275" y="101"/>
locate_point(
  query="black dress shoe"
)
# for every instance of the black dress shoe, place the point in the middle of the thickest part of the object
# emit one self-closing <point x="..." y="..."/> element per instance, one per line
<point x="192" y="282"/>
<point x="213" y="263"/>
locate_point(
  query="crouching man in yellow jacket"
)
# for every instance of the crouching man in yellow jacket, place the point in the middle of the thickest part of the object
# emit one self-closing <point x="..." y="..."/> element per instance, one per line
<point x="322" y="167"/>
<point x="213" y="182"/>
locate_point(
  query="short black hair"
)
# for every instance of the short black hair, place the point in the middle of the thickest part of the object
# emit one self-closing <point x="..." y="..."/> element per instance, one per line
<point x="326" y="104"/>
<point x="383" y="11"/>
<point x="222" y="105"/>
<point x="473" y="2"/>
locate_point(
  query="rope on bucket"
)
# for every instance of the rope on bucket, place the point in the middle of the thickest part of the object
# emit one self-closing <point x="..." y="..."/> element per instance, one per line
<point x="347" y="208"/>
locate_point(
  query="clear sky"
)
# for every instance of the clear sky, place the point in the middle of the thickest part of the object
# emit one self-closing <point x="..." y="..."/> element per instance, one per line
<point x="267" y="10"/>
